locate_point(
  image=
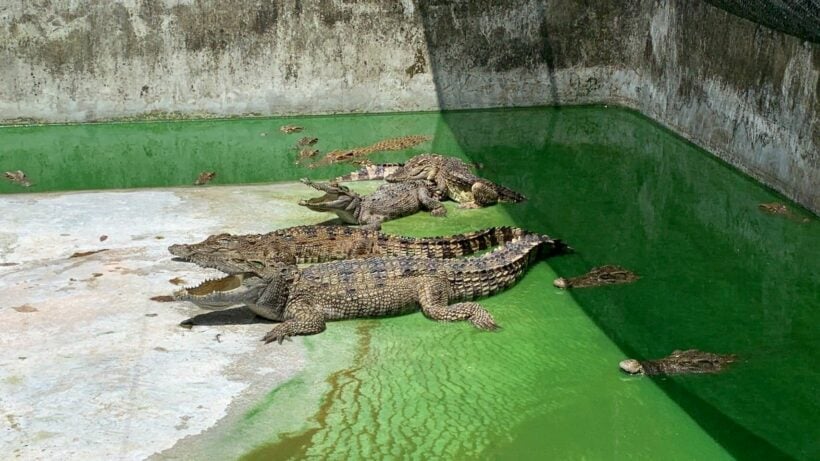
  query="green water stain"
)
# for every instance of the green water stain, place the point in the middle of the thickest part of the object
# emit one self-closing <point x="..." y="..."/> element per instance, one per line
<point x="266" y="403"/>
<point x="716" y="274"/>
<point x="173" y="153"/>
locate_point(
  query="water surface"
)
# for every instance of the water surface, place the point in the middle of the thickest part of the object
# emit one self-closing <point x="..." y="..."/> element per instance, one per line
<point x="716" y="274"/>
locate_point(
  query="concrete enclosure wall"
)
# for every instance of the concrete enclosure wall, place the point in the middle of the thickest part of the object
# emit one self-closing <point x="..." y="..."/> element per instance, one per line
<point x="747" y="93"/>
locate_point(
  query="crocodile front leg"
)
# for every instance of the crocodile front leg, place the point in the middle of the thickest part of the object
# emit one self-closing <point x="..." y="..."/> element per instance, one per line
<point x="303" y="320"/>
<point x="430" y="203"/>
<point x="433" y="297"/>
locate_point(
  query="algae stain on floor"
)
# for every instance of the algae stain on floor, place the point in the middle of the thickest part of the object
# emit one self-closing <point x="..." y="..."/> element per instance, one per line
<point x="421" y="389"/>
<point x="297" y="445"/>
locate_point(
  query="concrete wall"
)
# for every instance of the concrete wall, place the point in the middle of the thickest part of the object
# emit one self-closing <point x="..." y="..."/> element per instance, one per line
<point x="745" y="92"/>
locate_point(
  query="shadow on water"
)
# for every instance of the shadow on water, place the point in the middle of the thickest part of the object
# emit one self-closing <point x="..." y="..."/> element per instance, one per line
<point x="717" y="273"/>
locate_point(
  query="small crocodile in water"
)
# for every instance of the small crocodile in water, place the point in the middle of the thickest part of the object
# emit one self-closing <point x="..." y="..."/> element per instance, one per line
<point x="678" y="362"/>
<point x="452" y="176"/>
<point x="314" y="244"/>
<point x="358" y="155"/>
<point x="780" y="209"/>
<point x="304" y="299"/>
<point x="389" y="201"/>
<point x="604" y="275"/>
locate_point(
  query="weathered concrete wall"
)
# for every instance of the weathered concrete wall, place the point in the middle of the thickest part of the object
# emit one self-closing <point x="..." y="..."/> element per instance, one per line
<point x="98" y="59"/>
<point x="745" y="92"/>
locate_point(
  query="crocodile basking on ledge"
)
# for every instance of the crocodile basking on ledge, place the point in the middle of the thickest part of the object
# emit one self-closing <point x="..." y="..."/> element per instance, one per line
<point x="389" y="201"/>
<point x="304" y="299"/>
<point x="314" y="244"/>
<point x="451" y="175"/>
<point x="679" y="362"/>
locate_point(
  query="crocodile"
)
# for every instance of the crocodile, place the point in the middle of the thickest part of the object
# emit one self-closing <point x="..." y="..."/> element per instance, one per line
<point x="314" y="244"/>
<point x="304" y="299"/>
<point x="18" y="177"/>
<point x="597" y="276"/>
<point x="358" y="155"/>
<point x="452" y="176"/>
<point x="389" y="201"/>
<point x="775" y="208"/>
<point x="679" y="362"/>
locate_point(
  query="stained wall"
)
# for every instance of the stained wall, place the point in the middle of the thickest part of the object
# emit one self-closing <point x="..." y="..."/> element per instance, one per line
<point x="747" y="93"/>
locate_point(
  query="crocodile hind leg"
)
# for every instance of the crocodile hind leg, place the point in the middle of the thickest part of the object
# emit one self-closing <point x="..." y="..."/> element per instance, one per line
<point x="304" y="320"/>
<point x="433" y="298"/>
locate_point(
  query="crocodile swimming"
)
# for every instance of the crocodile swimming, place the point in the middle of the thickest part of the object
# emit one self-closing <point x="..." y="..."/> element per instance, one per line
<point x="304" y="299"/>
<point x="679" y="362"/>
<point x="451" y="175"/>
<point x="597" y="276"/>
<point x="314" y="244"/>
<point x="389" y="201"/>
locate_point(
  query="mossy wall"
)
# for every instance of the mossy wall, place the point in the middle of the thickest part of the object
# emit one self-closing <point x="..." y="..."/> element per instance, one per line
<point x="747" y="93"/>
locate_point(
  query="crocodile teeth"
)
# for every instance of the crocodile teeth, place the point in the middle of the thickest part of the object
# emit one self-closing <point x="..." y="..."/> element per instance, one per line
<point x="211" y="286"/>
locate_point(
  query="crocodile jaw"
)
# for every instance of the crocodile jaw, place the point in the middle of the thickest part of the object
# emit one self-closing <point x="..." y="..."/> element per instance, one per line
<point x="243" y="288"/>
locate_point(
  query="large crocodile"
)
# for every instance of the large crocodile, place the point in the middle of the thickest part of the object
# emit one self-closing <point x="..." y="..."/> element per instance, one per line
<point x="304" y="299"/>
<point x="314" y="244"/>
<point x="678" y="362"/>
<point x="389" y="201"/>
<point x="452" y="176"/>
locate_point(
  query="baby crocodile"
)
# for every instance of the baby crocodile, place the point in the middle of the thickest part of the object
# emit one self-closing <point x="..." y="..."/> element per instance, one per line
<point x="233" y="254"/>
<point x="604" y="275"/>
<point x="304" y="299"/>
<point x="775" y="208"/>
<point x="390" y="201"/>
<point x="678" y="362"/>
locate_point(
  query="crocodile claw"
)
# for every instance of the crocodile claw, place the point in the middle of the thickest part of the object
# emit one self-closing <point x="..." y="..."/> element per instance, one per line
<point x="276" y="335"/>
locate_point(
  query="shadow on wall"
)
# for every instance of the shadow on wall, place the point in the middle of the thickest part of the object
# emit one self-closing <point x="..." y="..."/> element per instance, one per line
<point x="468" y="59"/>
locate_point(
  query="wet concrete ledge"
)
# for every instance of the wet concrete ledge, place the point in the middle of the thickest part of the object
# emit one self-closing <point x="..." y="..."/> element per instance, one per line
<point x="739" y="89"/>
<point x="88" y="359"/>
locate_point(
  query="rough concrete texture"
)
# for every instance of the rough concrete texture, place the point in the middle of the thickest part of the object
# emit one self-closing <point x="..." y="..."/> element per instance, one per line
<point x="98" y="59"/>
<point x="745" y="92"/>
<point x="87" y="358"/>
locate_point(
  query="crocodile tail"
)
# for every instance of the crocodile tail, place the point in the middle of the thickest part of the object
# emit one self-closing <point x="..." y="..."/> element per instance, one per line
<point x="371" y="172"/>
<point x="447" y="247"/>
<point x="496" y="271"/>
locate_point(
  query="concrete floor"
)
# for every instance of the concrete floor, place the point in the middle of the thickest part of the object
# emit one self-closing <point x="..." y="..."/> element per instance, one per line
<point x="86" y="358"/>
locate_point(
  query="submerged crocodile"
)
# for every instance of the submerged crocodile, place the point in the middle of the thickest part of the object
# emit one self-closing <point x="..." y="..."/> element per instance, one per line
<point x="452" y="176"/>
<point x="389" y="201"/>
<point x="604" y="275"/>
<point x="678" y="362"/>
<point x="314" y="244"/>
<point x="358" y="155"/>
<point x="775" y="208"/>
<point x="304" y="299"/>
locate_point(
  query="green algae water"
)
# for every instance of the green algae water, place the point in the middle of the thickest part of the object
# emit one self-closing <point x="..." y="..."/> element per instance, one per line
<point x="716" y="274"/>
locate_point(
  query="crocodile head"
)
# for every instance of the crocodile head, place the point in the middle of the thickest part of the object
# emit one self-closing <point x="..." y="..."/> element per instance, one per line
<point x="424" y="166"/>
<point x="337" y="199"/>
<point x="233" y="254"/>
<point x="231" y="290"/>
<point x="631" y="366"/>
